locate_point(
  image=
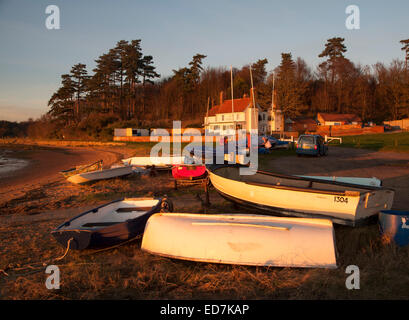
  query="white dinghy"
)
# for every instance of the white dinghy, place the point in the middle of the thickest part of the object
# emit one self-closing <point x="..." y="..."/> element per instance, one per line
<point x="253" y="240"/>
<point x="165" y="162"/>
<point x="100" y="174"/>
<point x="343" y="203"/>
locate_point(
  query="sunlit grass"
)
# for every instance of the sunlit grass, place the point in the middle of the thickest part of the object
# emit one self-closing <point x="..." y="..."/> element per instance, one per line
<point x="379" y="142"/>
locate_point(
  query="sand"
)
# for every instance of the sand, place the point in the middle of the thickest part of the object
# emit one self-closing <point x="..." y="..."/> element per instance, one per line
<point x="45" y="163"/>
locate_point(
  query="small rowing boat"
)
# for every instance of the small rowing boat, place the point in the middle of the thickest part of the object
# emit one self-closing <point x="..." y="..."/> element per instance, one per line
<point x="83" y="168"/>
<point x="189" y="172"/>
<point x="343" y="203"/>
<point x="164" y="163"/>
<point x="109" y="224"/>
<point x="100" y="174"/>
<point x="253" y="240"/>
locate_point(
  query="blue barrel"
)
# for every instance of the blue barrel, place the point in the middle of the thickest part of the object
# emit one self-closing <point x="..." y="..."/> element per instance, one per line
<point x="395" y="224"/>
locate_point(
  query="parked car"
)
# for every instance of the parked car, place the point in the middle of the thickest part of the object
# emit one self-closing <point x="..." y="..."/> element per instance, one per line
<point x="387" y="127"/>
<point x="311" y="144"/>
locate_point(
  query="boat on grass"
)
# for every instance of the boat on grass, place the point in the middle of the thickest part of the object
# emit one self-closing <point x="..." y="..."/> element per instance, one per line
<point x="343" y="203"/>
<point x="109" y="224"/>
<point x="160" y="163"/>
<point x="81" y="169"/>
<point x="100" y="175"/>
<point x="189" y="172"/>
<point x="242" y="239"/>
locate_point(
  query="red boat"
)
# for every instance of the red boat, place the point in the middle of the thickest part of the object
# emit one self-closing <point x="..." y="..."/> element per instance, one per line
<point x="189" y="172"/>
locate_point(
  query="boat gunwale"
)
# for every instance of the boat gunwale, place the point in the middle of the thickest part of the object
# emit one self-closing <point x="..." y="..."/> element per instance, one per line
<point x="213" y="168"/>
<point x="252" y="216"/>
<point x="330" y="266"/>
<point x="94" y="210"/>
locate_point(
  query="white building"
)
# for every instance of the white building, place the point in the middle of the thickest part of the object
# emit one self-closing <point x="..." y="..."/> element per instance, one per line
<point x="229" y="116"/>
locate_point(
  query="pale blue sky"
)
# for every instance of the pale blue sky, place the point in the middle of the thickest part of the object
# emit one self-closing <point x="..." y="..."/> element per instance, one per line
<point x="237" y="32"/>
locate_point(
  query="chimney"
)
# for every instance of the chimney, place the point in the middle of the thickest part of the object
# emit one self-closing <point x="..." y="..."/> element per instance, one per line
<point x="221" y="97"/>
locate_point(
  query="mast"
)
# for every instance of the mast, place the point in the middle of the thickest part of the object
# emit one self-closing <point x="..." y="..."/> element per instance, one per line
<point x="231" y="80"/>
<point x="207" y="113"/>
<point x="252" y="94"/>
<point x="272" y="98"/>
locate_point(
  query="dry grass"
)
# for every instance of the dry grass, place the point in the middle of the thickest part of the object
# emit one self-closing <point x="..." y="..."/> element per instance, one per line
<point x="57" y="143"/>
<point x="127" y="272"/>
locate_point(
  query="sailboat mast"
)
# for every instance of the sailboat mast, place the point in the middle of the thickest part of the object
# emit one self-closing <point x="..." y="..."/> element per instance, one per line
<point x="252" y="88"/>
<point x="232" y="98"/>
<point x="231" y="80"/>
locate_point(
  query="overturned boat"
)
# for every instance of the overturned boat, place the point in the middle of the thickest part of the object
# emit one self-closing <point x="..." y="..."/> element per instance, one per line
<point x="252" y="240"/>
<point x="100" y="175"/>
<point x="82" y="168"/>
<point x="189" y="172"/>
<point x="164" y="162"/>
<point x="343" y="203"/>
<point x="109" y="224"/>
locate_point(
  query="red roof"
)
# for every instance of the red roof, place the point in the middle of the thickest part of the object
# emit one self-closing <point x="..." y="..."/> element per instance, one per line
<point x="304" y="121"/>
<point x="345" y="117"/>
<point x="239" y="106"/>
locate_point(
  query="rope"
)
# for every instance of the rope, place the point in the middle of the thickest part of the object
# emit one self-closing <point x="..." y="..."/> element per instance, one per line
<point x="66" y="251"/>
<point x="112" y="247"/>
<point x="40" y="266"/>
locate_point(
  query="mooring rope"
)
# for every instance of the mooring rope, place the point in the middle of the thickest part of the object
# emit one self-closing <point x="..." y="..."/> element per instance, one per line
<point x="41" y="265"/>
<point x="66" y="250"/>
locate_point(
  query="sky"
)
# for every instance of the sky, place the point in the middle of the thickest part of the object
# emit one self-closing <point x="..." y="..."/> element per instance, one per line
<point x="234" y="32"/>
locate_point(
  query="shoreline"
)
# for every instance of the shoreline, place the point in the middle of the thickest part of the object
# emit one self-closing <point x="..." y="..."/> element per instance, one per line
<point x="45" y="163"/>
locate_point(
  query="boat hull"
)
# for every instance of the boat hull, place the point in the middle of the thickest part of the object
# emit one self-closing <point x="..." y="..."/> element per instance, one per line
<point x="81" y="169"/>
<point x="80" y="238"/>
<point x="252" y="240"/>
<point x="189" y="172"/>
<point x="100" y="175"/>
<point x="352" y="206"/>
<point x="164" y="163"/>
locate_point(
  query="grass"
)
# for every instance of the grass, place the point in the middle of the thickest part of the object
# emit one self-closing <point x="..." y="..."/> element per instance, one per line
<point x="59" y="143"/>
<point x="127" y="272"/>
<point x="398" y="142"/>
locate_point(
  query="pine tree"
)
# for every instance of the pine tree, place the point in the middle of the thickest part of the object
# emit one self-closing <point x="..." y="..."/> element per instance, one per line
<point x="79" y="78"/>
<point x="289" y="97"/>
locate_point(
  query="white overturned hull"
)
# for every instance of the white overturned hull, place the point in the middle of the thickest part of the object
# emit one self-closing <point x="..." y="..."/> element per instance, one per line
<point x="165" y="161"/>
<point x="372" y="182"/>
<point x="346" y="204"/>
<point x="100" y="175"/>
<point x="252" y="240"/>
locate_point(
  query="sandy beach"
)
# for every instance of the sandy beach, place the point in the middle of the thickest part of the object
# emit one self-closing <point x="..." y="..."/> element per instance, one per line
<point x="43" y="164"/>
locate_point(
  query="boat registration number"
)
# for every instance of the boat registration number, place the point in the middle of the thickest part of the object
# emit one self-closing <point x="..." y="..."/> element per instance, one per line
<point x="341" y="199"/>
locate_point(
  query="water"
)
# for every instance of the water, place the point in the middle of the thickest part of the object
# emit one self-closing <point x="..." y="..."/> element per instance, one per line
<point x="9" y="165"/>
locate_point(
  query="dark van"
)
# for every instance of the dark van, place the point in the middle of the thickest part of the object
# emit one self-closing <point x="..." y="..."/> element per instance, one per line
<point x="311" y="144"/>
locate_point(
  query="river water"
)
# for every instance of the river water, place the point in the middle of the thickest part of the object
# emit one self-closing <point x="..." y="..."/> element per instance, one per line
<point x="8" y="164"/>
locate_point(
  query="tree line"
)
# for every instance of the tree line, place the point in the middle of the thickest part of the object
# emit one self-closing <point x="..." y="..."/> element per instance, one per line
<point x="125" y="89"/>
